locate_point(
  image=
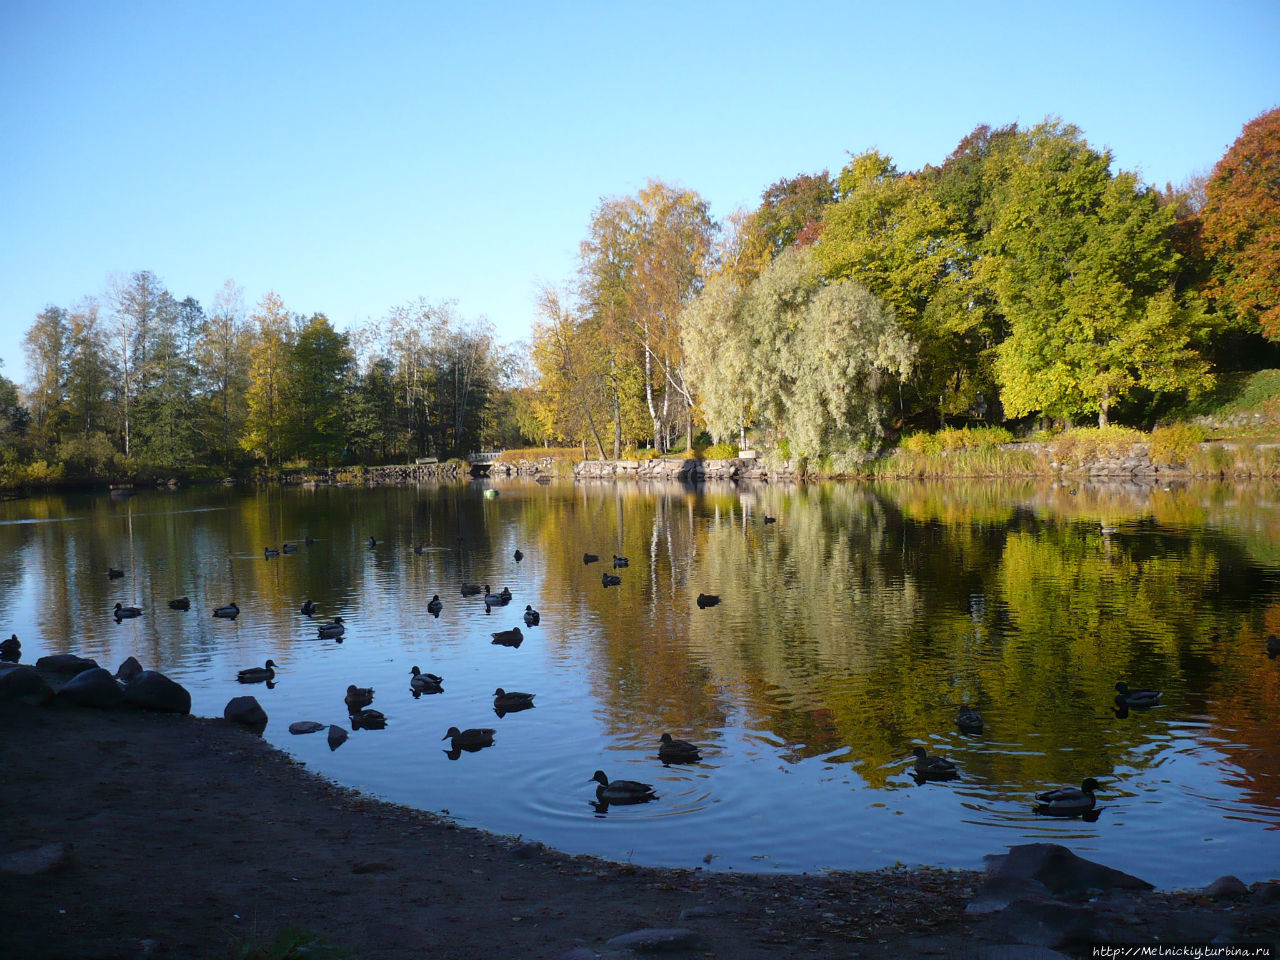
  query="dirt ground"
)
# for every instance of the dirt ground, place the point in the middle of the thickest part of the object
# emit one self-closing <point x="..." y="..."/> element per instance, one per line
<point x="191" y="838"/>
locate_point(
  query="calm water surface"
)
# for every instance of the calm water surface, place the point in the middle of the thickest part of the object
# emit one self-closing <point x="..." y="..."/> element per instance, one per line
<point x="851" y="630"/>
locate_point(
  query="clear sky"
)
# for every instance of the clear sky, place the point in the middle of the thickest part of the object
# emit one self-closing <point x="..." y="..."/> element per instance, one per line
<point x="354" y="156"/>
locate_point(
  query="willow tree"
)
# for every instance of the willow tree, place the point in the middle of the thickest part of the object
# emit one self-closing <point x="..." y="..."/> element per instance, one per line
<point x="1084" y="274"/>
<point x="808" y="358"/>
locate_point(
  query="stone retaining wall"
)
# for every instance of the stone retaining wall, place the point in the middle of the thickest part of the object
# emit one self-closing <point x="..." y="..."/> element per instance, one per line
<point x="681" y="469"/>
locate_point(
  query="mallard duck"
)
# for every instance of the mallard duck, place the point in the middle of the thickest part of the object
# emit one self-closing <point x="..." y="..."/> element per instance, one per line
<point x="1137" y="699"/>
<point x="497" y="599"/>
<point x="470" y="589"/>
<point x="1068" y="801"/>
<point x="620" y="561"/>
<point x="1273" y="645"/>
<point x="425" y="682"/>
<point x="509" y="638"/>
<point x="473" y="738"/>
<point x="933" y="767"/>
<point x="621" y="791"/>
<point x="11" y="649"/>
<point x="257" y="674"/>
<point x="609" y="580"/>
<point x="372" y="543"/>
<point x="419" y="549"/>
<point x="308" y="608"/>
<point x="289" y="547"/>
<point x="122" y="612"/>
<point x="114" y="573"/>
<point x="368" y="719"/>
<point x="270" y="552"/>
<point x="531" y="616"/>
<point x="589" y="558"/>
<point x="358" y="697"/>
<point x="182" y="603"/>
<point x="518" y="555"/>
<point x="707" y="600"/>
<point x="435" y="605"/>
<point x="230" y="611"/>
<point x="969" y="720"/>
<point x="511" y="701"/>
<point x="769" y="519"/>
<point x="677" y="751"/>
<point x="334" y="628"/>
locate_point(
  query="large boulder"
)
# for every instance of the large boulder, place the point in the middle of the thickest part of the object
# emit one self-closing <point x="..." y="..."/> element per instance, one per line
<point x="152" y="690"/>
<point x="246" y="711"/>
<point x="24" y="685"/>
<point x="92" y="688"/>
<point x="65" y="663"/>
<point x="1042" y="871"/>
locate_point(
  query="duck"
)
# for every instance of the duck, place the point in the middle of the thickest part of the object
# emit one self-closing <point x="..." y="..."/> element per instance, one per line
<point x="938" y="768"/>
<point x="620" y="561"/>
<point x="512" y="700"/>
<point x="707" y="600"/>
<point x="1068" y="801"/>
<point x="518" y="555"/>
<point x="122" y="612"/>
<point x="1273" y="645"/>
<point x="473" y="738"/>
<point x="435" y="605"/>
<point x="589" y="558"/>
<point x="358" y="697"/>
<point x="609" y="580"/>
<point x="677" y="751"/>
<point x="334" y="628"/>
<point x="257" y="674"/>
<point x="621" y="791"/>
<point x="425" y="682"/>
<point x="497" y="599"/>
<point x="769" y="519"/>
<point x="368" y="719"/>
<point x="470" y="589"/>
<point x="1136" y="699"/>
<point x="308" y="608"/>
<point x="182" y="603"/>
<point x="372" y="543"/>
<point x="11" y="649"/>
<point x="270" y="552"/>
<point x="114" y="573"/>
<point x="531" y="616"/>
<point x="309" y="540"/>
<point x="419" y="549"/>
<point x="969" y="720"/>
<point x="230" y="611"/>
<point x="289" y="547"/>
<point x="509" y="638"/>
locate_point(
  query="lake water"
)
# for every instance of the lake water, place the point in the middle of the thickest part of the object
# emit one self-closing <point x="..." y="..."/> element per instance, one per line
<point x="851" y="630"/>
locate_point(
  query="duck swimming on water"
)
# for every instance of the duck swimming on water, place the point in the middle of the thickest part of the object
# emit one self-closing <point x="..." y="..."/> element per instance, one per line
<point x="1068" y="801"/>
<point x="621" y="791"/>
<point x="257" y="674"/>
<point x="229" y="612"/>
<point x="677" y="751"/>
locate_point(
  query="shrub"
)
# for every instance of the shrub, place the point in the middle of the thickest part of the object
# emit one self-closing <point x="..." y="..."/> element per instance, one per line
<point x="1175" y="444"/>
<point x="1091" y="443"/>
<point x="720" y="451"/>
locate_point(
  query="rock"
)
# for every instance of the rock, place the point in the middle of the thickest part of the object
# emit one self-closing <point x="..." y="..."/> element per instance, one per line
<point x="1225" y="888"/>
<point x="246" y="711"/>
<point x="1038" y="869"/>
<point x="1046" y="923"/>
<point x="128" y="670"/>
<point x="337" y="736"/>
<point x="305" y="726"/>
<point x="152" y="690"/>
<point x="24" y="685"/>
<point x="657" y="940"/>
<point x="1266" y="892"/>
<point x="50" y="858"/>
<point x="65" y="663"/>
<point x="92" y="688"/>
<point x="1014" y="951"/>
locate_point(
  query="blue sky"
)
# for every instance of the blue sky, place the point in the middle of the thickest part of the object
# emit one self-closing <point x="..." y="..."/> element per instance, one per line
<point x="354" y="156"/>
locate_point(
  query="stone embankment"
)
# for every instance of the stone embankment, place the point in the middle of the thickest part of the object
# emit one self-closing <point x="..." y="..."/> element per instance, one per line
<point x="678" y="468"/>
<point x="380" y="476"/>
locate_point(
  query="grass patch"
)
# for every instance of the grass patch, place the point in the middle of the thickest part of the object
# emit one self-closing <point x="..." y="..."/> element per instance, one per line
<point x="1082" y="444"/>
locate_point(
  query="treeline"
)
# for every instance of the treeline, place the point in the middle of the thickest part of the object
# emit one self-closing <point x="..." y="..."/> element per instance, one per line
<point x="137" y="383"/>
<point x="1020" y="280"/>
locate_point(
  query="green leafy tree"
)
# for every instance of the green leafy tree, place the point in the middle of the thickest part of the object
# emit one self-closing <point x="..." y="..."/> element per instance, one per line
<point x="47" y="348"/>
<point x="269" y="391"/>
<point x="1084" y="279"/>
<point x="1241" y="221"/>
<point x="320" y="358"/>
<point x="222" y="361"/>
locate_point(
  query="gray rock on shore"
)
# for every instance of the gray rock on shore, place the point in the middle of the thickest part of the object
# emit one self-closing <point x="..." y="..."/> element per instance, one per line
<point x="92" y="688"/>
<point x="65" y="663"/>
<point x="246" y="711"/>
<point x="152" y="690"/>
<point x="24" y="685"/>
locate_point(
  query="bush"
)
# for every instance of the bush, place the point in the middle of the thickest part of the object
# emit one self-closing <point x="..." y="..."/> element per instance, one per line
<point x="720" y="451"/>
<point x="1175" y="444"/>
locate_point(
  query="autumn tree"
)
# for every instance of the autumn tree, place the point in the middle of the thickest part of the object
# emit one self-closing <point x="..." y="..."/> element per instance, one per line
<point x="1241" y="222"/>
<point x="222" y="362"/>
<point x="1084" y="279"/>
<point x="269" y="393"/>
<point x="790" y="211"/>
<point x="47" y="346"/>
<point x="573" y="373"/>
